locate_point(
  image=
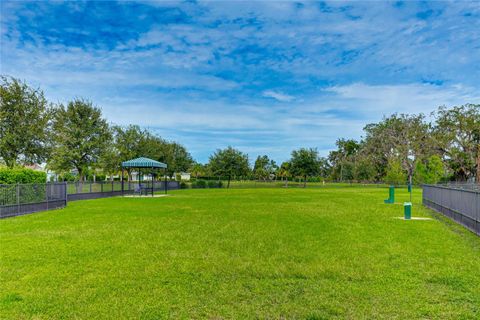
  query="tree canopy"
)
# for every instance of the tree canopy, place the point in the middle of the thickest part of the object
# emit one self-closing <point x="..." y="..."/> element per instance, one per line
<point x="229" y="163"/>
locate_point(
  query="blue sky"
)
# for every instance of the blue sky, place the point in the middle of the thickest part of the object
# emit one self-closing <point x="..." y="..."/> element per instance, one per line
<point x="264" y="77"/>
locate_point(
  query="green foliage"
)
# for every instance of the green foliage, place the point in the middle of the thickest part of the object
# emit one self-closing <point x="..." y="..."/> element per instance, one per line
<point x="457" y="134"/>
<point x="24" y="123"/>
<point x="21" y="175"/>
<point x="305" y="163"/>
<point x="81" y="136"/>
<point x="430" y="172"/>
<point x="201" y="184"/>
<point x="229" y="162"/>
<point x="364" y="170"/>
<point x="183" y="185"/>
<point x="264" y="167"/>
<point x="395" y="173"/>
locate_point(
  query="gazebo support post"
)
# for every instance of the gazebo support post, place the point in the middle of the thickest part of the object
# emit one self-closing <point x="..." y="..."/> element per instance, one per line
<point x="121" y="178"/>
<point x="165" y="172"/>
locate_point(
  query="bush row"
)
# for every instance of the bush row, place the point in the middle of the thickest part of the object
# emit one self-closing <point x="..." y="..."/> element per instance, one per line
<point x="201" y="184"/>
<point x="21" y="175"/>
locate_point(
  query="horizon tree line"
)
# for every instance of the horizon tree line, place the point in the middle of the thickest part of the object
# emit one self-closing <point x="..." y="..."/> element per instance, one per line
<point x="400" y="148"/>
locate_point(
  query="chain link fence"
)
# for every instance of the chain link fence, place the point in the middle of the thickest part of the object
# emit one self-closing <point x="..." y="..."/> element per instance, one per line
<point x="19" y="199"/>
<point x="458" y="202"/>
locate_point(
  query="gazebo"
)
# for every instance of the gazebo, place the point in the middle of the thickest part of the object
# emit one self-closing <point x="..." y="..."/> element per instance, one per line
<point x="145" y="164"/>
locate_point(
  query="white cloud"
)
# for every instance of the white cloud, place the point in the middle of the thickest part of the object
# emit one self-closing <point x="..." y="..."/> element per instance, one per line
<point x="278" y="96"/>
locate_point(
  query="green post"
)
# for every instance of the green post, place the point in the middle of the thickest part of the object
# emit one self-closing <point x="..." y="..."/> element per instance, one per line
<point x="407" y="210"/>
<point x="391" y="195"/>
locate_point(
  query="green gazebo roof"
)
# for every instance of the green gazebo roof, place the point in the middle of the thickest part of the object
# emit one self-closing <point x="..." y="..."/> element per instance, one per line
<point x="143" y="163"/>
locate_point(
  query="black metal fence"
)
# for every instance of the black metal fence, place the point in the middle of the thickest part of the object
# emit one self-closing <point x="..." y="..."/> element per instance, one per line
<point x="18" y="199"/>
<point x="103" y="189"/>
<point x="461" y="204"/>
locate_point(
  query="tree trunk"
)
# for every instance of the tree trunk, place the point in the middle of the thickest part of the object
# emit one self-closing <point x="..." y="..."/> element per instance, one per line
<point x="305" y="181"/>
<point x="286" y="182"/>
<point x="228" y="183"/>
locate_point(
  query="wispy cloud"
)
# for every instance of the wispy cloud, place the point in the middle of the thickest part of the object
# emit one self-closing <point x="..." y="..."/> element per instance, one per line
<point x="263" y="76"/>
<point x="278" y="96"/>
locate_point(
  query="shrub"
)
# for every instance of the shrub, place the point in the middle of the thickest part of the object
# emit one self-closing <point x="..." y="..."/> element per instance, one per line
<point x="21" y="175"/>
<point x="200" y="184"/>
<point x="183" y="185"/>
<point x="213" y="184"/>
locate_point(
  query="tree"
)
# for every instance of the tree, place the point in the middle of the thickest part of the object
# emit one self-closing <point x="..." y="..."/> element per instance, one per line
<point x="343" y="159"/>
<point x="457" y="134"/>
<point x="228" y="163"/>
<point x="264" y="167"/>
<point x="284" y="171"/>
<point x="364" y="169"/>
<point x="24" y="123"/>
<point x="430" y="171"/>
<point x="198" y="169"/>
<point x="80" y="136"/>
<point x="395" y="173"/>
<point x="407" y="138"/>
<point x="305" y="163"/>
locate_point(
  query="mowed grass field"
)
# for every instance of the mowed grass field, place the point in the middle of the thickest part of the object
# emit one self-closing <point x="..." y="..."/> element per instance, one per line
<point x="319" y="253"/>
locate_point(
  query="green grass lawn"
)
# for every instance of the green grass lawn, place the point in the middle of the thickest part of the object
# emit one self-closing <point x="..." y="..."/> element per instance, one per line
<point x="316" y="253"/>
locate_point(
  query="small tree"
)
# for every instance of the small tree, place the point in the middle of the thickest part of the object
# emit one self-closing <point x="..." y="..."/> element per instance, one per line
<point x="284" y="171"/>
<point x="80" y="137"/>
<point x="305" y="163"/>
<point x="395" y="173"/>
<point x="228" y="163"/>
<point x="24" y="123"/>
<point x="430" y="171"/>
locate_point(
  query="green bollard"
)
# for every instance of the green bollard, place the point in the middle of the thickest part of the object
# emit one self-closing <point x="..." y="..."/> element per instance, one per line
<point x="407" y="210"/>
<point x="391" y="195"/>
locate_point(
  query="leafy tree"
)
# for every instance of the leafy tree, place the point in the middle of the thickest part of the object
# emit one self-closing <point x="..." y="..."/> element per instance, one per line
<point x="284" y="171"/>
<point x="364" y="169"/>
<point x="24" y="123"/>
<point x="342" y="159"/>
<point x="80" y="136"/>
<point x="305" y="163"/>
<point x="395" y="173"/>
<point x="430" y="171"/>
<point x="404" y="137"/>
<point x="457" y="134"/>
<point x="264" y="167"/>
<point x="198" y="170"/>
<point x="228" y="163"/>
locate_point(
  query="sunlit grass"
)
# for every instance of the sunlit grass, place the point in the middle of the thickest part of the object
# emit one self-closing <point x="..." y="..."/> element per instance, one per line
<point x="315" y="253"/>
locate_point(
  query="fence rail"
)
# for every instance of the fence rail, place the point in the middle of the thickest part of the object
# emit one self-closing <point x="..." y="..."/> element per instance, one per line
<point x="19" y="199"/>
<point x="460" y="204"/>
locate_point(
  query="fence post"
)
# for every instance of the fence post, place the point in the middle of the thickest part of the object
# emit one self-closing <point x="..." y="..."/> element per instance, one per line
<point x="46" y="193"/>
<point x="66" y="192"/>
<point x="18" y="198"/>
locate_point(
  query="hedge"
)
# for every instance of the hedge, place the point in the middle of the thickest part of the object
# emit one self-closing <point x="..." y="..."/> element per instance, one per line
<point x="21" y="175"/>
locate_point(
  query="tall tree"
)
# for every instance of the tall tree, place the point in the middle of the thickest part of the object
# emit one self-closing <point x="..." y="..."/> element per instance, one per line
<point x="284" y="171"/>
<point x="24" y="123"/>
<point x="457" y="133"/>
<point x="407" y="138"/>
<point x="80" y="137"/>
<point x="305" y="163"/>
<point x="229" y="163"/>
<point x="264" y="167"/>
<point x="343" y="159"/>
